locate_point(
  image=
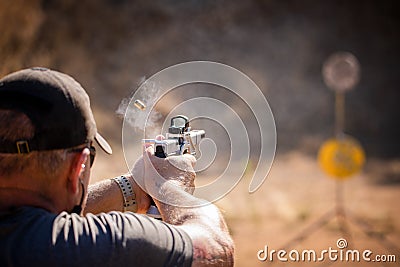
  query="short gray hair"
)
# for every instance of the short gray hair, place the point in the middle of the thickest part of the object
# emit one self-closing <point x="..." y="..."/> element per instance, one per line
<point x="15" y="125"/>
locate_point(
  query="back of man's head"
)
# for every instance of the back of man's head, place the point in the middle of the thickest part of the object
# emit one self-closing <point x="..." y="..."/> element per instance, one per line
<point x="42" y="113"/>
<point x="17" y="126"/>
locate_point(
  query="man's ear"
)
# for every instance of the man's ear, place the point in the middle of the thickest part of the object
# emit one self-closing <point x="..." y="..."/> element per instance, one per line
<point x="76" y="169"/>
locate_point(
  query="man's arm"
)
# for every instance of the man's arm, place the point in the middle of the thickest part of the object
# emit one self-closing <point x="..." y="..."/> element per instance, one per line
<point x="212" y="244"/>
<point x="105" y="196"/>
<point x="202" y="221"/>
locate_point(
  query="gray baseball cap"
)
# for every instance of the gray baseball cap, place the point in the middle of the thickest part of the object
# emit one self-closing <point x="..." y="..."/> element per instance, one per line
<point x="58" y="107"/>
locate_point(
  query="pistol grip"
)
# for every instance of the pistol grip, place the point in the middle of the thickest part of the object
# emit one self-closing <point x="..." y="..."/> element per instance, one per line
<point x="153" y="211"/>
<point x="160" y="152"/>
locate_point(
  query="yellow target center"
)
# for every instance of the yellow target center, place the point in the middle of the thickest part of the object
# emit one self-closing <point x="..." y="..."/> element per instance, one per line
<point x="341" y="157"/>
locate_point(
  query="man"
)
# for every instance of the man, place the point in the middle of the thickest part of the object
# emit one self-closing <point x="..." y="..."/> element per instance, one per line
<point x="47" y="135"/>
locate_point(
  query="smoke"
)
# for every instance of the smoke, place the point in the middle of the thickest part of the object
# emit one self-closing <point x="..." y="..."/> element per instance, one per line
<point x="135" y="117"/>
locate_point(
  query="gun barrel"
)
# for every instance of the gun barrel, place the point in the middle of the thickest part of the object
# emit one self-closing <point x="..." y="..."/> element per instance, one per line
<point x="197" y="135"/>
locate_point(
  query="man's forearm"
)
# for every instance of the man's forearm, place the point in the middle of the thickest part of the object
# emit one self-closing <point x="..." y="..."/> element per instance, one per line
<point x="104" y="196"/>
<point x="203" y="222"/>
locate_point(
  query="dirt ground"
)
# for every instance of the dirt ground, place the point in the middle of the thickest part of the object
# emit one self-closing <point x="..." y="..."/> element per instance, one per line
<point x="293" y="199"/>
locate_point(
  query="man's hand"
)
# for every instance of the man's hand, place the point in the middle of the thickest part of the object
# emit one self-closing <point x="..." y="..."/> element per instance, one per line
<point x="176" y="169"/>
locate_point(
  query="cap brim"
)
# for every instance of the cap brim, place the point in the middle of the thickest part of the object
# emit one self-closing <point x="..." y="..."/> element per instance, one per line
<point x="103" y="144"/>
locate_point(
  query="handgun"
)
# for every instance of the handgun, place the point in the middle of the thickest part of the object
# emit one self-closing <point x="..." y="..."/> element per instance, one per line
<point x="180" y="139"/>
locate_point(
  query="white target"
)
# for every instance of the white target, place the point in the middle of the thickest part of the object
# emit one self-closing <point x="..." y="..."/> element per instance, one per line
<point x="341" y="71"/>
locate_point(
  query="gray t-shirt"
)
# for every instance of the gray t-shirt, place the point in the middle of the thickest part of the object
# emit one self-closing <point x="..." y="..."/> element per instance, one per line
<point x="34" y="237"/>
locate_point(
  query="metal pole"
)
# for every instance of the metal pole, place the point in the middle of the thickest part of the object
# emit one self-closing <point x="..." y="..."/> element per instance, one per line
<point x="339" y="113"/>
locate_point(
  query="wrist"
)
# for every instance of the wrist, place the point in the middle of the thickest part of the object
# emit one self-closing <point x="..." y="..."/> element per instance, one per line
<point x="128" y="194"/>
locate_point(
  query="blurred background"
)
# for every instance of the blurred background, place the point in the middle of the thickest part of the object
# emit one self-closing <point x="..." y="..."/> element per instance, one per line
<point x="110" y="46"/>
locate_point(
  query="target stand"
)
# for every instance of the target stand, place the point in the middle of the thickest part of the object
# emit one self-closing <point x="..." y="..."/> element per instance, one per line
<point x="342" y="156"/>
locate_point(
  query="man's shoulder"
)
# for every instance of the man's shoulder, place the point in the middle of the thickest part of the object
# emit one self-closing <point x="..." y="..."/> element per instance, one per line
<point x="104" y="238"/>
<point x="31" y="215"/>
